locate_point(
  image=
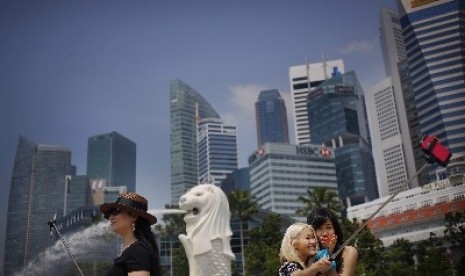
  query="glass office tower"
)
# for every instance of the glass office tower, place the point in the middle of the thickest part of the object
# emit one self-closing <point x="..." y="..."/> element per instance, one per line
<point x="271" y="118"/>
<point x="187" y="107"/>
<point x="303" y="79"/>
<point x="112" y="157"/>
<point x="338" y="120"/>
<point x="36" y="194"/>
<point x="434" y="33"/>
<point x="217" y="144"/>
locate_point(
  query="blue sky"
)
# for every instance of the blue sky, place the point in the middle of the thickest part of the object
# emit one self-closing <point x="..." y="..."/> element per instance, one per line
<point x="73" y="69"/>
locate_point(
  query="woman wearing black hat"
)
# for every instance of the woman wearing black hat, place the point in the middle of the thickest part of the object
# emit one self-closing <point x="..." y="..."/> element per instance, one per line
<point x="129" y="219"/>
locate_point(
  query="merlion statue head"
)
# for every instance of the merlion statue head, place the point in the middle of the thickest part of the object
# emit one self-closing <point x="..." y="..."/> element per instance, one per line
<point x="207" y="218"/>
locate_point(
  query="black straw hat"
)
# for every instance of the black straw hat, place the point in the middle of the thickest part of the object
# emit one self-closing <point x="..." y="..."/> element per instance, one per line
<point x="132" y="203"/>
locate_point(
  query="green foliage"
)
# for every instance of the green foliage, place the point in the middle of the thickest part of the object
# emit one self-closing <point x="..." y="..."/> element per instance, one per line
<point x="370" y="252"/>
<point x="317" y="198"/>
<point x="180" y="263"/>
<point x="455" y="229"/>
<point x="241" y="204"/>
<point x="262" y="254"/>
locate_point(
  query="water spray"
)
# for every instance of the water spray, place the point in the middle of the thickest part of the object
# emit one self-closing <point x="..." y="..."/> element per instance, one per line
<point x="53" y="225"/>
<point x="434" y="153"/>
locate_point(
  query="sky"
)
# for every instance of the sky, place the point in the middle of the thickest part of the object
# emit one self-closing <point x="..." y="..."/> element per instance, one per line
<point x="70" y="70"/>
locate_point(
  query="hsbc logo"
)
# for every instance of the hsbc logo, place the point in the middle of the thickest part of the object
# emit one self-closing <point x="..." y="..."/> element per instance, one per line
<point x="313" y="151"/>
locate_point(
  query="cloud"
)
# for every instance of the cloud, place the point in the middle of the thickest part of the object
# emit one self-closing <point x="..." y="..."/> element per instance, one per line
<point x="362" y="47"/>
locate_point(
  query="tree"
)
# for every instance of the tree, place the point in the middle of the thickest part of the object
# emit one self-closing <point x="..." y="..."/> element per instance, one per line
<point x="455" y="229"/>
<point x="455" y="234"/>
<point x="242" y="206"/>
<point x="399" y="259"/>
<point x="370" y="251"/>
<point x="262" y="252"/>
<point x="431" y="258"/>
<point x="317" y="198"/>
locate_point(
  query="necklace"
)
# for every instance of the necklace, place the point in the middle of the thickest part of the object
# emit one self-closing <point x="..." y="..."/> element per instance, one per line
<point x="122" y="250"/>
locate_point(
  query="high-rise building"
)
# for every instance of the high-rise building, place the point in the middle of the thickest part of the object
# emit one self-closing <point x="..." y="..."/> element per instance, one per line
<point x="36" y="194"/>
<point x="387" y="145"/>
<point x="271" y="118"/>
<point x="338" y="120"/>
<point x="393" y="120"/>
<point x="187" y="107"/>
<point x="433" y="34"/>
<point x="78" y="192"/>
<point x="413" y="122"/>
<point x="112" y="157"/>
<point x="303" y="79"/>
<point x="217" y="144"/>
<point x="237" y="180"/>
<point x="280" y="173"/>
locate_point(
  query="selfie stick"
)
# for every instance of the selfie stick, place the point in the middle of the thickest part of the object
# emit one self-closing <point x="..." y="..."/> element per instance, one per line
<point x="53" y="225"/>
<point x="435" y="153"/>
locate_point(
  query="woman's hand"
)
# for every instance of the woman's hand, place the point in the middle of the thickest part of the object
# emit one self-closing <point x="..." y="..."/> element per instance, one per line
<point x="323" y="265"/>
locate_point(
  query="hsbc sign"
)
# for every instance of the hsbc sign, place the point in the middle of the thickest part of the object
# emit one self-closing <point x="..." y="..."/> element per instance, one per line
<point x="313" y="151"/>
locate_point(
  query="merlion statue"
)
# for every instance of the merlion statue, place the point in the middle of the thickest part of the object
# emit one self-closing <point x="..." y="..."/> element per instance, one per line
<point x="208" y="231"/>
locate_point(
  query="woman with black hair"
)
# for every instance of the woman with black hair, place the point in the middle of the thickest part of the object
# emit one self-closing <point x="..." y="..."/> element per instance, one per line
<point x="129" y="219"/>
<point x="329" y="234"/>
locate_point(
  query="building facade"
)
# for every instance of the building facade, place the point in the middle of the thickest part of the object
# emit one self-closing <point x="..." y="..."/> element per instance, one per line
<point x="36" y="194"/>
<point x="338" y="120"/>
<point x="303" y="79"/>
<point x="113" y="157"/>
<point x="271" y="118"/>
<point x="77" y="193"/>
<point x="433" y="36"/>
<point x="237" y="180"/>
<point x="217" y="145"/>
<point x="280" y="173"/>
<point x="393" y="112"/>
<point x="187" y="107"/>
<point x="387" y="144"/>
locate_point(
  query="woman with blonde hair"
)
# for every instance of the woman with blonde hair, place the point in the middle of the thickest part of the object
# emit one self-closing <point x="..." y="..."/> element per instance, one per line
<point x="298" y="249"/>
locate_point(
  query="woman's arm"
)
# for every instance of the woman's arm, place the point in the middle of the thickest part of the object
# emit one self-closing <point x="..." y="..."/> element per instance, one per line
<point x="322" y="265"/>
<point x="349" y="261"/>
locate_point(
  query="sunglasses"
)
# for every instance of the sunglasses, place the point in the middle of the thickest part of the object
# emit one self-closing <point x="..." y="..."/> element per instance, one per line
<point x="114" y="212"/>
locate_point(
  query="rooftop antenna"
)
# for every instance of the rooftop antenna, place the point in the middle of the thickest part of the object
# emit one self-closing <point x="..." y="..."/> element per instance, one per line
<point x="307" y="70"/>
<point x="324" y="65"/>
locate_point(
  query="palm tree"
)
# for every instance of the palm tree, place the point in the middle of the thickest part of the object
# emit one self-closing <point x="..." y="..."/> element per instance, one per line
<point x="243" y="206"/>
<point x="317" y="198"/>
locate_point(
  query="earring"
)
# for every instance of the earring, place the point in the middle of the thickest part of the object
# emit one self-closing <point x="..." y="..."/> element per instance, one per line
<point x="133" y="227"/>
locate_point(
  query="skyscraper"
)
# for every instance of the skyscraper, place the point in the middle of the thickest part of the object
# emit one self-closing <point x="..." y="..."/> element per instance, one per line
<point x="433" y="33"/>
<point x="112" y="157"/>
<point x="303" y="79"/>
<point x="187" y="107"/>
<point x="338" y="120"/>
<point x="217" y="144"/>
<point x="36" y="194"/>
<point x="271" y="117"/>
<point x="393" y="120"/>
<point x="387" y="144"/>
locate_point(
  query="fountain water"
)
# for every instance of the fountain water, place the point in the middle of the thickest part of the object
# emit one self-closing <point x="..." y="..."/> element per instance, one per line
<point x="84" y="245"/>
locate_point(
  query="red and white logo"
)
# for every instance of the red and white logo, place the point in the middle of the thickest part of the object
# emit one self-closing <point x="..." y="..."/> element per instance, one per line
<point x="325" y="152"/>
